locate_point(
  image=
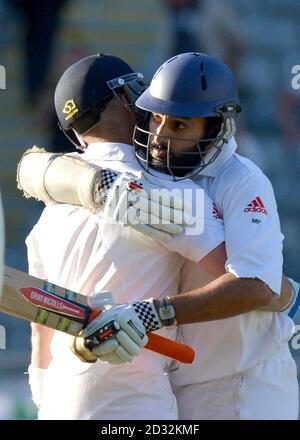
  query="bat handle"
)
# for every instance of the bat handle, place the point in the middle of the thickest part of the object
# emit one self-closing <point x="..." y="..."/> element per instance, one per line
<point x="168" y="347"/>
<point x="108" y="330"/>
<point x="159" y="344"/>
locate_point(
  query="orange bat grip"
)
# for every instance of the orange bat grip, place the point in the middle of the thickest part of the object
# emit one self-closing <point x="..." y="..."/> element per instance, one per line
<point x="173" y="349"/>
<point x="165" y="346"/>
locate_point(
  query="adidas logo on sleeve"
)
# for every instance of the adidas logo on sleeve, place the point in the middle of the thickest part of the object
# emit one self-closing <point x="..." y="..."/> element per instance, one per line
<point x="256" y="206"/>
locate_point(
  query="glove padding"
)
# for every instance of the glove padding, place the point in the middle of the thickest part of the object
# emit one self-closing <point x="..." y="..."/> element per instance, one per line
<point x="121" y="347"/>
<point x="152" y="210"/>
<point x="100" y="301"/>
<point x="126" y="343"/>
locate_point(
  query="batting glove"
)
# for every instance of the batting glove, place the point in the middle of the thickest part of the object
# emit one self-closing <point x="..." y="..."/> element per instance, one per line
<point x="131" y="323"/>
<point x="129" y="333"/>
<point x="78" y="345"/>
<point x="155" y="212"/>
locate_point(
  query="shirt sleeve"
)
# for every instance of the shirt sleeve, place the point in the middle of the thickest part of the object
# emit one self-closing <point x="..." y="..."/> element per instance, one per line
<point x="205" y="232"/>
<point x="252" y="229"/>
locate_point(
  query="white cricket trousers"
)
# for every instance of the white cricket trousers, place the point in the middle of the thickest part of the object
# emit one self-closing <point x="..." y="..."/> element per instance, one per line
<point x="136" y="391"/>
<point x="268" y="391"/>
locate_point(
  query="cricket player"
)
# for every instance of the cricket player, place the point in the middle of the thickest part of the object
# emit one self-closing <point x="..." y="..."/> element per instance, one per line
<point x="89" y="252"/>
<point x="198" y="283"/>
<point x="245" y="369"/>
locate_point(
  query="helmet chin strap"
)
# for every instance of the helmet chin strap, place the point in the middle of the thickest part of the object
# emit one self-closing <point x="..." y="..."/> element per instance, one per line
<point x="83" y="144"/>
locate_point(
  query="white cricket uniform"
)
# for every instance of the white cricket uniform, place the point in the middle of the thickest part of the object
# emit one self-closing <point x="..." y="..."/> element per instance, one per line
<point x="243" y="368"/>
<point x="86" y="252"/>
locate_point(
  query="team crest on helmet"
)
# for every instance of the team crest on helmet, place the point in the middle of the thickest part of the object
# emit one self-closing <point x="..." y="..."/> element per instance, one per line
<point x="70" y="109"/>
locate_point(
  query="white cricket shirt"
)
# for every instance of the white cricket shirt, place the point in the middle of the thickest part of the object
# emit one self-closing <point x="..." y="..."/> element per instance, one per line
<point x="244" y="199"/>
<point x="86" y="252"/>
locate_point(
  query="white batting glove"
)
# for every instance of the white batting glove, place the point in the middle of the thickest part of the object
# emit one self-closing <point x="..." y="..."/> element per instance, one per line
<point x="126" y="343"/>
<point x="100" y="301"/>
<point x="154" y="211"/>
<point x="131" y="323"/>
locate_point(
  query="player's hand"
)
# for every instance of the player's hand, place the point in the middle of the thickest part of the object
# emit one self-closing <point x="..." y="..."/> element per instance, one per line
<point x="152" y="210"/>
<point x="127" y="341"/>
<point x="100" y="301"/>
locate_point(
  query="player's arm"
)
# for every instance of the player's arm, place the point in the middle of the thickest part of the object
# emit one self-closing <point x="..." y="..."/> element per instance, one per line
<point x="209" y="249"/>
<point x="281" y="302"/>
<point x="225" y="297"/>
<point x="252" y="231"/>
<point x="215" y="262"/>
<point x="41" y="336"/>
<point x="69" y="179"/>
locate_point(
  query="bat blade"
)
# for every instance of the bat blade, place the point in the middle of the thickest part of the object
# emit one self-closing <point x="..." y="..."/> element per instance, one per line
<point x="17" y="300"/>
<point x="53" y="303"/>
<point x="14" y="303"/>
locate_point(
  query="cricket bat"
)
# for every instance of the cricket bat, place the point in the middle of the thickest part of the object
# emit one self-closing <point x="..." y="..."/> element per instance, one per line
<point x="39" y="301"/>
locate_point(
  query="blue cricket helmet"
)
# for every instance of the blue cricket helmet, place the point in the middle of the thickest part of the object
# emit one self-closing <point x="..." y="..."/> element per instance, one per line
<point x="190" y="85"/>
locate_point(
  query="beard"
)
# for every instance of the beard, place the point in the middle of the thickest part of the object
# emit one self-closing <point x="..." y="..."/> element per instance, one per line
<point x="179" y="165"/>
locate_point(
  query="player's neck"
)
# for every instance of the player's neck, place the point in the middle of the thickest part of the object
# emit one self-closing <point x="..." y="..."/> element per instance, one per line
<point x="121" y="134"/>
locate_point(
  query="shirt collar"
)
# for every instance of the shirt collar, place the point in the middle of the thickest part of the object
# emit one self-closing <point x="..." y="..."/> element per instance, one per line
<point x="227" y="152"/>
<point x="110" y="151"/>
